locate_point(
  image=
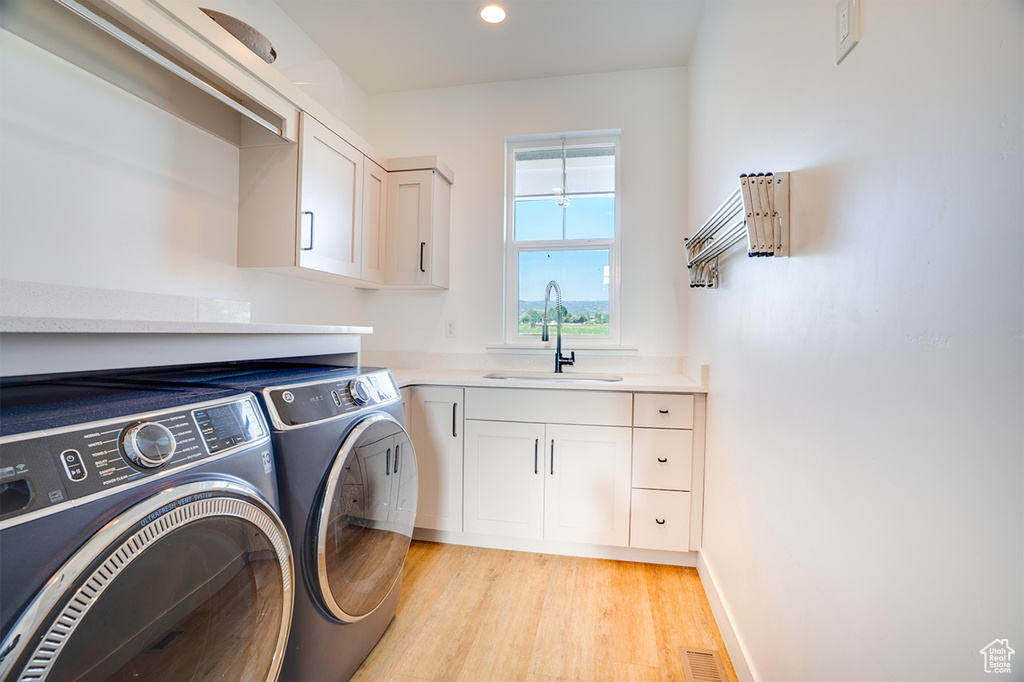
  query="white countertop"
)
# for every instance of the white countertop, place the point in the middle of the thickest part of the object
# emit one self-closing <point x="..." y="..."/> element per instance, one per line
<point x="36" y="346"/>
<point x="64" y="325"/>
<point x="651" y="383"/>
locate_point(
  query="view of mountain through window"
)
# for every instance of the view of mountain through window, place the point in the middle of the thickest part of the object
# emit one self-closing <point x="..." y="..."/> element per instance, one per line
<point x="563" y="229"/>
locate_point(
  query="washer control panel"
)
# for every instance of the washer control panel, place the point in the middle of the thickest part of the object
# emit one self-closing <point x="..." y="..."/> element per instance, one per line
<point x="313" y="402"/>
<point x="46" y="468"/>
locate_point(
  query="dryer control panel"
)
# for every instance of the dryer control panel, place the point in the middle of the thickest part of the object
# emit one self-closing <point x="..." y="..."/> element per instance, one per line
<point x="46" y="469"/>
<point x="314" y="402"/>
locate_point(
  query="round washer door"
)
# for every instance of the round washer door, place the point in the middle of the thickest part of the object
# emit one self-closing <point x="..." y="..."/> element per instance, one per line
<point x="366" y="518"/>
<point x="193" y="583"/>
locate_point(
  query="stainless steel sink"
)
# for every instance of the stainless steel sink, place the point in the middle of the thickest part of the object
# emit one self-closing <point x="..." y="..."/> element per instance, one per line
<point x="565" y="378"/>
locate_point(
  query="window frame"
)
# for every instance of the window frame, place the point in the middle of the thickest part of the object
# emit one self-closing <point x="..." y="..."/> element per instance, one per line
<point x="513" y="248"/>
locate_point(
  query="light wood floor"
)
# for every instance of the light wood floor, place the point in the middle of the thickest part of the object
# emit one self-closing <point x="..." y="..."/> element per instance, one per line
<point x="468" y="613"/>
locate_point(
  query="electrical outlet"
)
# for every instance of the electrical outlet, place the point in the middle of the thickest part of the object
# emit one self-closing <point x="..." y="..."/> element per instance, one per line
<point x="847" y="27"/>
<point x="449" y="329"/>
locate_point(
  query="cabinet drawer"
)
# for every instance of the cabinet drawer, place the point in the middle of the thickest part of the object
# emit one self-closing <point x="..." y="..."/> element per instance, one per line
<point x="660" y="519"/>
<point x="599" y="408"/>
<point x="663" y="410"/>
<point x="650" y="447"/>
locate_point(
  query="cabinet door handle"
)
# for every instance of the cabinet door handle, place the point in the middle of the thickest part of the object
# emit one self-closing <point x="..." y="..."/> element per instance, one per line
<point x="662" y="411"/>
<point x="387" y="463"/>
<point x="455" y="409"/>
<point x="552" y="456"/>
<point x="536" y="449"/>
<point x="660" y="522"/>
<point x="422" y="246"/>
<point x="310" y="247"/>
<point x="396" y="459"/>
<point x="663" y="459"/>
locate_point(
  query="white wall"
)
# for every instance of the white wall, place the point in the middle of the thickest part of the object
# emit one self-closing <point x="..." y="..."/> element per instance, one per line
<point x="864" y="509"/>
<point x="101" y="189"/>
<point x="467" y="127"/>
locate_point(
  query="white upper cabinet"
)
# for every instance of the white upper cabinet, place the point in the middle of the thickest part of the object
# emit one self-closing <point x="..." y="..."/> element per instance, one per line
<point x="324" y="210"/>
<point x="419" y="208"/>
<point x="331" y="209"/>
<point x="300" y="207"/>
<point x="375" y="212"/>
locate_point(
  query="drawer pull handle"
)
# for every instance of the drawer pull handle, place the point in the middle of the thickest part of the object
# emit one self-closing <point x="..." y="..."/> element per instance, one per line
<point x="662" y="411"/>
<point x="660" y="522"/>
<point x="663" y="459"/>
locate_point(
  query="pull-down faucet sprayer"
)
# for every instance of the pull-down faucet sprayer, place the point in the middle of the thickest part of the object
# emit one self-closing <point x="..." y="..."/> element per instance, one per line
<point x="559" y="358"/>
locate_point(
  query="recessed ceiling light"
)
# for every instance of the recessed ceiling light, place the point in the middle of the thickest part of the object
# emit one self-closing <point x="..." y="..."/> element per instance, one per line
<point x="493" y="14"/>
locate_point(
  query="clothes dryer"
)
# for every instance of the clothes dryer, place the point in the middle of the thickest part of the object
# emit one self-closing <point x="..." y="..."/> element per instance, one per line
<point x="348" y="482"/>
<point x="140" y="536"/>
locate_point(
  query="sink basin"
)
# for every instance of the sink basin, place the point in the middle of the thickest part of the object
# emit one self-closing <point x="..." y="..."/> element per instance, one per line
<point x="566" y="378"/>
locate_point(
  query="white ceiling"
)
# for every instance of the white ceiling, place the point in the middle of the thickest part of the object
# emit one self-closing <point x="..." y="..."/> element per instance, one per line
<point x="395" y="45"/>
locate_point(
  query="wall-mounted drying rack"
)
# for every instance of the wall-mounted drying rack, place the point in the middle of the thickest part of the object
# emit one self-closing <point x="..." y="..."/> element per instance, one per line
<point x="756" y="213"/>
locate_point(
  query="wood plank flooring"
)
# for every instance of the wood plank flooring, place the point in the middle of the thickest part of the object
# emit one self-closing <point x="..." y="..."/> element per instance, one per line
<point x="469" y="613"/>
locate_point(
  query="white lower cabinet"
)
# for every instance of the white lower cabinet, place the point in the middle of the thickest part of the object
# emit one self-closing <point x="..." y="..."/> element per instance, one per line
<point x="558" y="482"/>
<point x="560" y="469"/>
<point x="434" y="421"/>
<point x="504" y="479"/>
<point x="664" y="473"/>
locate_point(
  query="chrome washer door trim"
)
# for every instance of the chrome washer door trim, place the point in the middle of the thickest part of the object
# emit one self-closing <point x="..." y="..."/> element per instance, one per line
<point x="159" y="515"/>
<point x="334" y="479"/>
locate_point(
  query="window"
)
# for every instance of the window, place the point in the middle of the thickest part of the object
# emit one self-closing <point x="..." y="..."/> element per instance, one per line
<point x="562" y="225"/>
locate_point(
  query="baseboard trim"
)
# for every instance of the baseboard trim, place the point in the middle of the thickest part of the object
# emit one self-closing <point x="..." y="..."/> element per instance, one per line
<point x="733" y="640"/>
<point x="648" y="556"/>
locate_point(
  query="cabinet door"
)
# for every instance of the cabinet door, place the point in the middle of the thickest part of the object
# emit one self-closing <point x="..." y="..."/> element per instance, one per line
<point x="434" y="416"/>
<point x="504" y="479"/>
<point x="586" y="497"/>
<point x="410" y="203"/>
<point x="331" y="197"/>
<point x="375" y="211"/>
<point x="440" y="230"/>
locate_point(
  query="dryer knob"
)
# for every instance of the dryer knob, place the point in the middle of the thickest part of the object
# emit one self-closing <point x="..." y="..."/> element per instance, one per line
<point x="357" y="389"/>
<point x="148" y="445"/>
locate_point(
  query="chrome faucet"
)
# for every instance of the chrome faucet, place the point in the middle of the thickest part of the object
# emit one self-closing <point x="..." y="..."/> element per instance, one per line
<point x="559" y="358"/>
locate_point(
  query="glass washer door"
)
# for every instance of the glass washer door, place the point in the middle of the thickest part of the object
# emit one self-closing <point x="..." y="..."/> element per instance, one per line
<point x="195" y="583"/>
<point x="366" y="518"/>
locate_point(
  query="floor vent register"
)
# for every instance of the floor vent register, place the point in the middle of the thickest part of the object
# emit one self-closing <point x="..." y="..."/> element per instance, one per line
<point x="702" y="665"/>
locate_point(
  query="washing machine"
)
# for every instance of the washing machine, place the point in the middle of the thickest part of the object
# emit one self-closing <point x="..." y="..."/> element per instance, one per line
<point x="347" y="476"/>
<point x="139" y="535"/>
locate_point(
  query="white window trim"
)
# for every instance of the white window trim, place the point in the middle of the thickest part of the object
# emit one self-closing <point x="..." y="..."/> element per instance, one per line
<point x="513" y="248"/>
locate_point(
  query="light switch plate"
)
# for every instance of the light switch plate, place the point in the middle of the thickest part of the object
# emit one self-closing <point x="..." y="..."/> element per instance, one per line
<point x="847" y="27"/>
